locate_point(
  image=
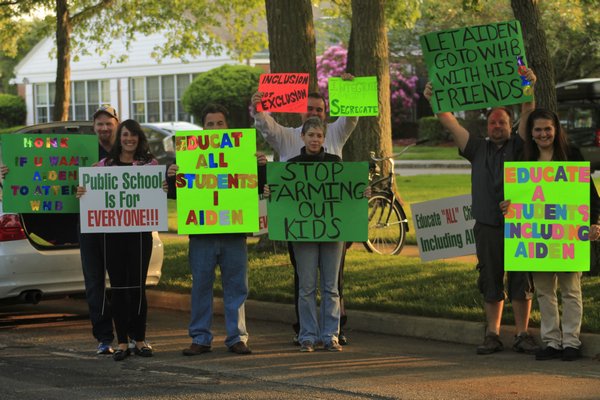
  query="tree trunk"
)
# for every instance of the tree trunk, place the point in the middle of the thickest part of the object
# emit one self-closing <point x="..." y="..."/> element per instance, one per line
<point x="292" y="43"/>
<point x="538" y="57"/>
<point x="62" y="98"/>
<point x="370" y="58"/>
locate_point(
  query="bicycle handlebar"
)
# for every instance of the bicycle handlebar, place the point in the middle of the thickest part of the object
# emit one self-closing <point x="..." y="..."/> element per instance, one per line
<point x="378" y="159"/>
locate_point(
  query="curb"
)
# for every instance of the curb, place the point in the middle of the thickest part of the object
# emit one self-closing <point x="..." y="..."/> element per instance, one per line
<point x="439" y="329"/>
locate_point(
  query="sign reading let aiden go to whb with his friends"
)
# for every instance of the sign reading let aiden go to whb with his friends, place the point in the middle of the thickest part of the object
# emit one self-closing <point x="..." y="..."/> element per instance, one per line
<point x="547" y="224"/>
<point x="217" y="181"/>
<point x="476" y="67"/>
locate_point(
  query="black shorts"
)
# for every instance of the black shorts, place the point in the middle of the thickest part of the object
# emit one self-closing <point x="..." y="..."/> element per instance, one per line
<point x="489" y="241"/>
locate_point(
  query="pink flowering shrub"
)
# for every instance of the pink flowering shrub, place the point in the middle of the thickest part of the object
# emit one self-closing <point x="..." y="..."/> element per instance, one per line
<point x="402" y="88"/>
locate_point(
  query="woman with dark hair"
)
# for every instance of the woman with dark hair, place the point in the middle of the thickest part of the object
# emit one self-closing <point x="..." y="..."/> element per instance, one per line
<point x="128" y="254"/>
<point x="545" y="140"/>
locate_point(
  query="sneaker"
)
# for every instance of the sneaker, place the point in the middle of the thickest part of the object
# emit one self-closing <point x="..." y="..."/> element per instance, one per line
<point x="549" y="353"/>
<point x="491" y="344"/>
<point x="104" y="348"/>
<point x="307" y="347"/>
<point x="240" y="348"/>
<point x="295" y="340"/>
<point x="333" y="346"/>
<point x="570" y="354"/>
<point x="525" y="343"/>
<point x="342" y="339"/>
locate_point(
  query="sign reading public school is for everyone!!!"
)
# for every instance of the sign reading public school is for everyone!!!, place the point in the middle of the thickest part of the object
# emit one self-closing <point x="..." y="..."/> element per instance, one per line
<point x="356" y="97"/>
<point x="476" y="67"/>
<point x="123" y="199"/>
<point x="317" y="201"/>
<point x="217" y="181"/>
<point x="283" y="93"/>
<point x="547" y="224"/>
<point x="444" y="227"/>
<point x="43" y="171"/>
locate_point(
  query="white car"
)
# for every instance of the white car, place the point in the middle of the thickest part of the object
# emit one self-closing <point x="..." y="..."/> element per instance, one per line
<point x="39" y="256"/>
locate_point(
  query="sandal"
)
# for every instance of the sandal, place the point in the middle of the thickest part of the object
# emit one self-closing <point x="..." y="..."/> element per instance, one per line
<point x="120" y="354"/>
<point x="144" y="351"/>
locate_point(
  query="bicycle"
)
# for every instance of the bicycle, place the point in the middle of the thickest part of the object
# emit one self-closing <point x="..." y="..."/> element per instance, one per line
<point x="388" y="224"/>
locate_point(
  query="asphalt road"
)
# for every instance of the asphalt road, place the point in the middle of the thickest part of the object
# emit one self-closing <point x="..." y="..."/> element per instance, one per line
<point x="46" y="352"/>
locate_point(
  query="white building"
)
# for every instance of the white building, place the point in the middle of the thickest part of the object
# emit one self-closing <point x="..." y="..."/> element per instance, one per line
<point x="140" y="88"/>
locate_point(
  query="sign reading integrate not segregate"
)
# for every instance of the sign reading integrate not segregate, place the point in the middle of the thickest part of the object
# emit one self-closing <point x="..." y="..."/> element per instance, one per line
<point x="318" y="201"/>
<point x="547" y="224"/>
<point x="284" y="92"/>
<point x="444" y="227"/>
<point x="476" y="67"/>
<point x="217" y="181"/>
<point x="43" y="171"/>
<point x="356" y="97"/>
<point x="123" y="199"/>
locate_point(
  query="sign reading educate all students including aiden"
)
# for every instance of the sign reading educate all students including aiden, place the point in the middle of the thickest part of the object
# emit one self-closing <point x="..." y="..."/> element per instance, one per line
<point x="444" y="227"/>
<point x="43" y="171"/>
<point x="123" y="199"/>
<point x="547" y="224"/>
<point x="285" y="92"/>
<point x="353" y="97"/>
<point x="318" y="201"/>
<point x="476" y="67"/>
<point x="217" y="181"/>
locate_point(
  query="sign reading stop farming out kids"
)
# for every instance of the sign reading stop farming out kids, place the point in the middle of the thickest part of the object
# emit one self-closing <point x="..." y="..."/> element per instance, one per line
<point x="123" y="199"/>
<point x="476" y="67"/>
<point x="283" y="92"/>
<point x="357" y="97"/>
<point x="547" y="224"/>
<point x="217" y="181"/>
<point x="43" y="171"/>
<point x="444" y="227"/>
<point x="317" y="202"/>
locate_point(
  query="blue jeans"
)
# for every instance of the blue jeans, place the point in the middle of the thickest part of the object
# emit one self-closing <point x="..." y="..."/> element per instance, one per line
<point x="229" y="251"/>
<point x="94" y="274"/>
<point x="323" y="257"/>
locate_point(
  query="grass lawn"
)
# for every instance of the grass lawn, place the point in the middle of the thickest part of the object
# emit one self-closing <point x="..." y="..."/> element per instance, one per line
<point x="421" y="152"/>
<point x="397" y="284"/>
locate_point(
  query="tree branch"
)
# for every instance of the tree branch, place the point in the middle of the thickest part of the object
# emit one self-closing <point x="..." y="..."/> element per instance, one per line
<point x="91" y="10"/>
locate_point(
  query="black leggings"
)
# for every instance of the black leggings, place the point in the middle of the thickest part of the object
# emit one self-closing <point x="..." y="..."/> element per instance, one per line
<point x="127" y="261"/>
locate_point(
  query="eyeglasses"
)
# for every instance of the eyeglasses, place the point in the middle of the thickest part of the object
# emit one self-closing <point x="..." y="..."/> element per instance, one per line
<point x="107" y="109"/>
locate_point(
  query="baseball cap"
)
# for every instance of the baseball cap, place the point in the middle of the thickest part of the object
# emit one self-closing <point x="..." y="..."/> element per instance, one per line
<point x="108" y="110"/>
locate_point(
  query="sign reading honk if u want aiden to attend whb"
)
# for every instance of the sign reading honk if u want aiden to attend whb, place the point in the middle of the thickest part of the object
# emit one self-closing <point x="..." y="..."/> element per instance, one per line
<point x="547" y="224"/>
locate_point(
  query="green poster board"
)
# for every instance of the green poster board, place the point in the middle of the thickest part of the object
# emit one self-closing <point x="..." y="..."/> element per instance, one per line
<point x="318" y="201"/>
<point x="476" y="67"/>
<point x="547" y="225"/>
<point x="357" y="97"/>
<point x="217" y="181"/>
<point x="43" y="171"/>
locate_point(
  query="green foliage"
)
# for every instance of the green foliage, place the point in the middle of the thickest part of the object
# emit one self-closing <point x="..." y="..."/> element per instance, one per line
<point x="229" y="85"/>
<point x="12" y="110"/>
<point x="431" y="128"/>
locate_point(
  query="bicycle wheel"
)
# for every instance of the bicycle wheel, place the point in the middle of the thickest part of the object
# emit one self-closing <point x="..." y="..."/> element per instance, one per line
<point x="387" y="226"/>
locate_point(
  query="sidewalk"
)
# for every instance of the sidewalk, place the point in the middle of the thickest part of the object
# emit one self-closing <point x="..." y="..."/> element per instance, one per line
<point x="440" y="329"/>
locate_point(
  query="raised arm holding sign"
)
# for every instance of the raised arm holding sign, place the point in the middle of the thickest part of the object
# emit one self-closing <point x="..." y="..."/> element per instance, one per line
<point x="487" y="157"/>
